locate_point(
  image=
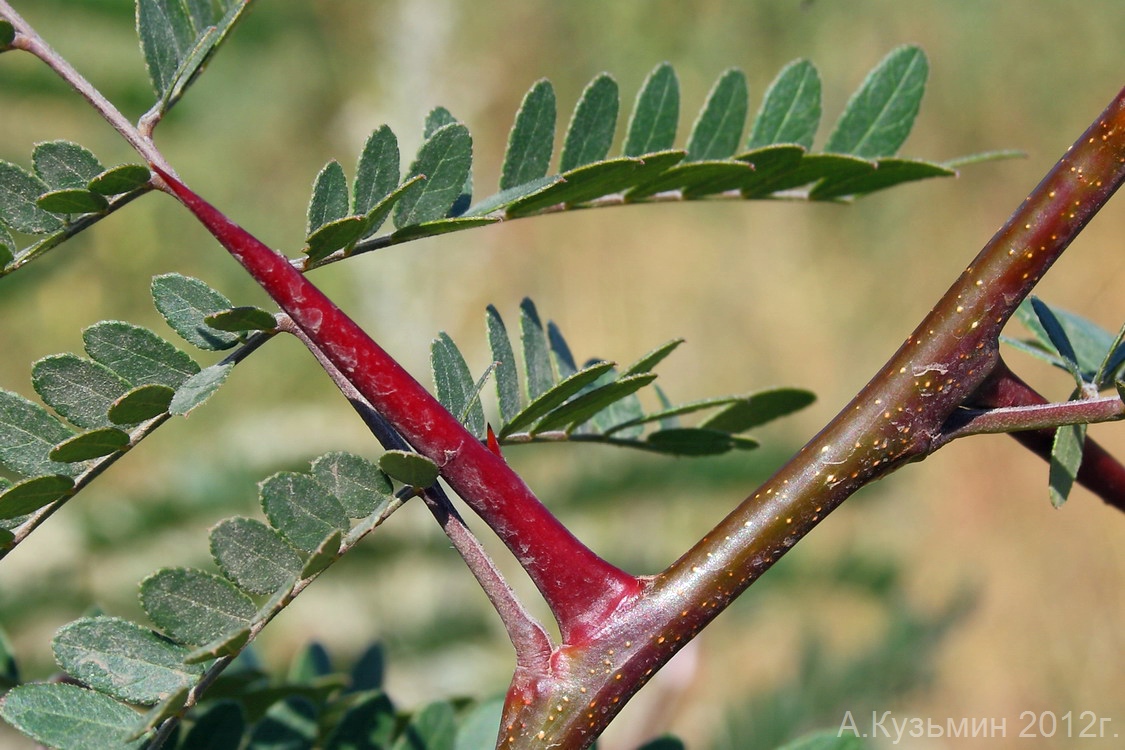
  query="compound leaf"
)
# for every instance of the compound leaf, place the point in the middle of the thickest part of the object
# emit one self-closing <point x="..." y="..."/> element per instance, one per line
<point x="301" y="509"/>
<point x="137" y="354"/>
<point x="253" y="555"/>
<point x="63" y="164"/>
<point x="790" y="111"/>
<point x="445" y="160"/>
<point x="591" y="129"/>
<point x="329" y="200"/>
<point x="186" y="303"/>
<point x="718" y="128"/>
<point x="79" y="389"/>
<point x="19" y="192"/>
<point x="121" y="658"/>
<point x="454" y="383"/>
<point x="194" y="606"/>
<point x="377" y="171"/>
<point x="656" y="113"/>
<point x="879" y="115"/>
<point x="28" y="433"/>
<point x="357" y="483"/>
<point x="531" y="140"/>
<point x="67" y="716"/>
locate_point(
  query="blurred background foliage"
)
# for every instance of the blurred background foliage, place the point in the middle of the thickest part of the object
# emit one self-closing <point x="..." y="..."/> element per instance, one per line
<point x="950" y="590"/>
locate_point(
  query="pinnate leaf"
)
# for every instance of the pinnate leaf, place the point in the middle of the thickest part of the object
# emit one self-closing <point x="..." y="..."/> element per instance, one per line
<point x="91" y="444"/>
<point x="198" y="388"/>
<point x="123" y="659"/>
<point x="67" y="716"/>
<point x="591" y="129"/>
<point x="253" y="555"/>
<point x="79" y="389"/>
<point x="790" y="111"/>
<point x="879" y="115"/>
<point x="63" y="164"/>
<point x="19" y="192"/>
<point x="28" y="433"/>
<point x="194" y="606"/>
<point x="445" y="160"/>
<point x="137" y="354"/>
<point x="32" y="494"/>
<point x="378" y="170"/>
<point x="656" y="113"/>
<point x="301" y="509"/>
<point x="531" y="140"/>
<point x="454" y="383"/>
<point x="329" y="200"/>
<point x="357" y="483"/>
<point x="717" y="131"/>
<point x="409" y="468"/>
<point x="186" y="303"/>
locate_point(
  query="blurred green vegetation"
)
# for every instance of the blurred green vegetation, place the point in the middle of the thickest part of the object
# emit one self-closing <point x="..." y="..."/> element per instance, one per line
<point x="765" y="293"/>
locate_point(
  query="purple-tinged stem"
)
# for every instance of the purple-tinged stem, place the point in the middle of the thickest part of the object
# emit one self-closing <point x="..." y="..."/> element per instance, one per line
<point x="581" y="588"/>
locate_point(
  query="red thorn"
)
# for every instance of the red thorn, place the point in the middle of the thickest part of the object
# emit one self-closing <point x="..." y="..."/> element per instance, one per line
<point x="493" y="443"/>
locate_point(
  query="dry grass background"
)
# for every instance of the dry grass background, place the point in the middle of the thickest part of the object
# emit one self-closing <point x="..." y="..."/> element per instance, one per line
<point x="764" y="293"/>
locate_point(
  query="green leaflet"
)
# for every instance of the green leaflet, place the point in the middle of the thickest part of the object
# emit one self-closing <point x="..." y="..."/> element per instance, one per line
<point x="137" y="354"/>
<point x="507" y="197"/>
<point x="63" y="164"/>
<point x="72" y="202"/>
<point x="198" y="388"/>
<point x="667" y="415"/>
<point x="656" y="113"/>
<point x="441" y="226"/>
<point x="585" y="406"/>
<point x="369" y="669"/>
<point x="591" y="129"/>
<point x="253" y="555"/>
<point x="7" y="247"/>
<point x="290" y="723"/>
<point x="438" y="118"/>
<point x="409" y="468"/>
<point x="123" y="659"/>
<point x="32" y="494"/>
<point x="229" y="644"/>
<point x="120" y="179"/>
<point x="358" y="484"/>
<point x="1056" y="336"/>
<point x="810" y="168"/>
<point x="177" y="38"/>
<point x="454" y="383"/>
<point x="79" y="389"/>
<point x="162" y="711"/>
<point x="478" y="727"/>
<point x="887" y="173"/>
<point x="27" y="436"/>
<point x="693" y="441"/>
<point x="1093" y="349"/>
<point x="1066" y="460"/>
<point x="554" y="397"/>
<point x="301" y="509"/>
<point x="9" y="669"/>
<point x="790" y="111"/>
<point x="195" y="607"/>
<point x="718" y="127"/>
<point x="369" y="722"/>
<point x="7" y="33"/>
<point x="432" y="728"/>
<point x="536" y="359"/>
<point x="329" y="200"/>
<point x="621" y="410"/>
<point x="377" y="171"/>
<point x="67" y="716"/>
<point x="531" y="140"/>
<point x="339" y="234"/>
<point x="19" y="192"/>
<point x="759" y="408"/>
<point x="564" y="362"/>
<point x="652" y="359"/>
<point x="185" y="302"/>
<point x="141" y="404"/>
<point x="445" y="160"/>
<point x="324" y="555"/>
<point x="879" y="115"/>
<point x="507" y="379"/>
<point x="243" y="318"/>
<point x="309" y="664"/>
<point x="697" y="179"/>
<point x="216" y="726"/>
<point x="91" y="444"/>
